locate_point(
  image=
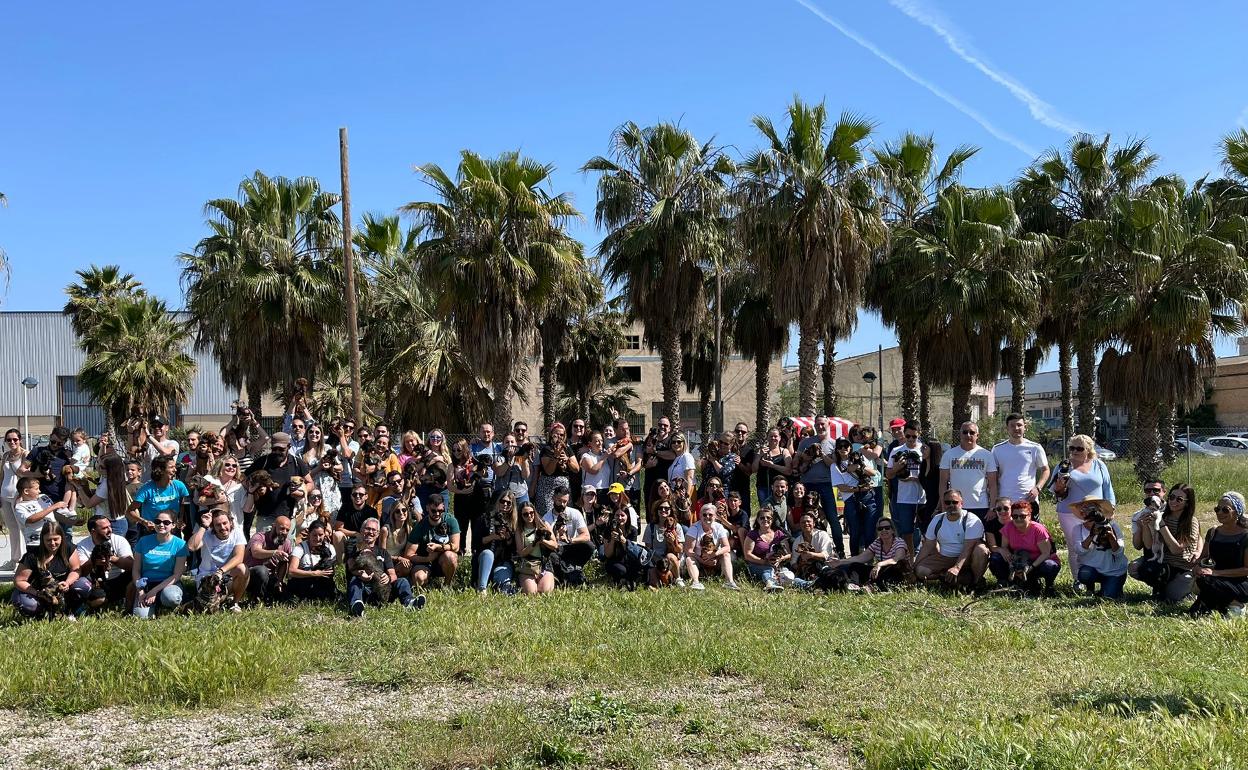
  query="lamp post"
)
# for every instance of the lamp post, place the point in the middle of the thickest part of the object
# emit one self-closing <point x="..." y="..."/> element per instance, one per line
<point x="869" y="378"/>
<point x="30" y="384"/>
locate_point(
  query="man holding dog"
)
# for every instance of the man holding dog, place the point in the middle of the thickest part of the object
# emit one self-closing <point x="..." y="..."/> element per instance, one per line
<point x="953" y="547"/>
<point x="222" y="548"/>
<point x="110" y="574"/>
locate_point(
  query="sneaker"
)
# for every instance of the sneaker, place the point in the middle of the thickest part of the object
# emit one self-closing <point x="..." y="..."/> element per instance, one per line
<point x="853" y="587"/>
<point x="234" y="607"/>
<point x="697" y="586"/>
<point x="732" y="586"/>
<point x="680" y="582"/>
<point x="1235" y="611"/>
<point x="418" y="603"/>
<point x="357" y="609"/>
<point x="71" y="618"/>
<point x="772" y="587"/>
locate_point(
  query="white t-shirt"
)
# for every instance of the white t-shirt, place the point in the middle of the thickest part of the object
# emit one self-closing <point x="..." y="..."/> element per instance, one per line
<point x="27" y="508"/>
<point x="601" y="479"/>
<point x="681" y="464"/>
<point x="575" y="519"/>
<point x="235" y="495"/>
<point x="121" y="549"/>
<point x="820" y="541"/>
<point x="951" y="536"/>
<point x="9" y="489"/>
<point x="909" y="490"/>
<point x="968" y="473"/>
<point x="82" y="457"/>
<point x="215" y="553"/>
<point x="1018" y="465"/>
<point x="310" y="561"/>
<point x="696" y="532"/>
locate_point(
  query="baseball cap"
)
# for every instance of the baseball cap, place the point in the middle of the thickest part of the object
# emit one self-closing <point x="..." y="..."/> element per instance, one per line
<point x="281" y="437"/>
<point x="615" y="489"/>
<point x="896" y="422"/>
<point x="589" y="489"/>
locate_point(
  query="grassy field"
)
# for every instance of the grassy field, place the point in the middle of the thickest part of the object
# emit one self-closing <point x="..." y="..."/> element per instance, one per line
<point x="914" y="679"/>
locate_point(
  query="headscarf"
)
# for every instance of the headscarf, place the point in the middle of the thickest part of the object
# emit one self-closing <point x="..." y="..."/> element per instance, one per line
<point x="1236" y="501"/>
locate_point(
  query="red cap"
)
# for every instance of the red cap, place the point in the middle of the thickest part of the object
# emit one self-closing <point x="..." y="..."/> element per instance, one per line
<point x="896" y="422"/>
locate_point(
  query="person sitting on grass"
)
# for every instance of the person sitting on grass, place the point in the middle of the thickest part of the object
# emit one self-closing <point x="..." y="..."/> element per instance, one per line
<point x="1179" y="535"/>
<point x="160" y="561"/>
<point x="884" y="563"/>
<point x="221" y="547"/>
<point x="534" y="542"/>
<point x="1099" y="548"/>
<point x="370" y="573"/>
<point x="573" y="539"/>
<point x="812" y="549"/>
<point x="665" y="538"/>
<point x="1024" y="554"/>
<point x="757" y="546"/>
<point x="623" y="559"/>
<point x="107" y="567"/>
<point x="267" y="560"/>
<point x="1222" y="579"/>
<point x="47" y="582"/>
<point x="953" y="547"/>
<point x="433" y="545"/>
<point x="312" y="563"/>
<point x="711" y="555"/>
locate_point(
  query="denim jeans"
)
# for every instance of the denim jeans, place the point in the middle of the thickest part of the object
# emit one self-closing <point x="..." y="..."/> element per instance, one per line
<point x="1111" y="585"/>
<point x="489" y="571"/>
<point x="30" y="606"/>
<point x="861" y="514"/>
<point x="828" y="497"/>
<point x="170" y="598"/>
<point x="359" y="591"/>
<point x="764" y="573"/>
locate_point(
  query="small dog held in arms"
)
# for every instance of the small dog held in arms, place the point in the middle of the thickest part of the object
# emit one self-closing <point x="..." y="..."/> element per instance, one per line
<point x="367" y="563"/>
<point x="47" y="592"/>
<point x="1150" y="518"/>
<point x="707" y="545"/>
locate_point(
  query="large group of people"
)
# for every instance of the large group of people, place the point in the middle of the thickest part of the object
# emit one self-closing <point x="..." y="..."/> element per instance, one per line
<point x="339" y="511"/>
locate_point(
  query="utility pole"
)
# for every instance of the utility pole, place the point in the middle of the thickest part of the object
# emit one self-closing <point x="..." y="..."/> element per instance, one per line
<point x="719" y="358"/>
<point x="348" y="259"/>
<point x="880" y="363"/>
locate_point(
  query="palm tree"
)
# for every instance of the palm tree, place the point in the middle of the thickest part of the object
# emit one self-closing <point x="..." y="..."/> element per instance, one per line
<point x="971" y="280"/>
<point x="1182" y="279"/>
<point x="495" y="255"/>
<point x="909" y="179"/>
<point x="587" y="365"/>
<point x="661" y="196"/>
<point x="1073" y="187"/>
<point x="757" y="332"/>
<point x="811" y="188"/>
<point x="264" y="289"/>
<point x="697" y="371"/>
<point x="94" y="297"/>
<point x="582" y="291"/>
<point x="139" y="365"/>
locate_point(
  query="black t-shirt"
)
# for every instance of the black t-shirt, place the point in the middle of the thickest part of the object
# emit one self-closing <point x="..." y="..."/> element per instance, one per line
<point x="44" y="459"/>
<point x="56" y="565"/>
<point x="992" y="527"/>
<point x="353" y="519"/>
<point x="277" y="501"/>
<point x="740" y="481"/>
<point x="661" y="466"/>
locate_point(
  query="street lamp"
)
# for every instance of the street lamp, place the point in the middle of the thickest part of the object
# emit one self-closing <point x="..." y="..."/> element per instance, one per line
<point x="869" y="378"/>
<point x="31" y="383"/>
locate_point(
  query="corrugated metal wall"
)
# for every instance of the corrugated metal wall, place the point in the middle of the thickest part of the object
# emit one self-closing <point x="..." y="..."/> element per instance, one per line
<point x="42" y="345"/>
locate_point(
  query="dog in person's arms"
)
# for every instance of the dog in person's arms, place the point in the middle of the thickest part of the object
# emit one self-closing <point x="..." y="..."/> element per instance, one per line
<point x="706" y="546"/>
<point x="47" y="592"/>
<point x="371" y="569"/>
<point x="1150" y="517"/>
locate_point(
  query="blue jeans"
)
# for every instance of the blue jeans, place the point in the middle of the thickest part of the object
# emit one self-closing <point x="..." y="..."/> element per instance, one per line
<point x="170" y="598"/>
<point x="828" y="497"/>
<point x="359" y="591"/>
<point x="764" y="573"/>
<point x="1111" y="585"/>
<point x="861" y="514"/>
<point x="500" y="574"/>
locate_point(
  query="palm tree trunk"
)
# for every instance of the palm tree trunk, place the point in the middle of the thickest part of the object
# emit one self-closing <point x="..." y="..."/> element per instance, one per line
<point x="669" y="351"/>
<point x="500" y="388"/>
<point x="548" y="384"/>
<point x="909" y="377"/>
<point x="582" y="405"/>
<point x="1018" y="376"/>
<point x="1145" y="440"/>
<point x="1167" y="423"/>
<point x="925" y="400"/>
<point x="828" y="370"/>
<point x="762" y="397"/>
<point x="961" y="403"/>
<point x="704" y="413"/>
<point x="1085" y="352"/>
<point x="253" y="398"/>
<point x="807" y="361"/>
<point x="1063" y="375"/>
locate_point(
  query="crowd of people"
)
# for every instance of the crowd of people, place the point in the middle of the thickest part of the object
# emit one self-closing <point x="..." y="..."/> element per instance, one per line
<point x="244" y="516"/>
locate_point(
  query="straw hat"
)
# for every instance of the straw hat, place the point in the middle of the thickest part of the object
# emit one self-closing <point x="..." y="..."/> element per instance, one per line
<point x="1104" y="506"/>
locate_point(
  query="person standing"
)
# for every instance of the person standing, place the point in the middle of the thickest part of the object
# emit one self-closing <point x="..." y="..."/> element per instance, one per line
<point x="14" y="458"/>
<point x="283" y="467"/>
<point x="906" y="467"/>
<point x="972" y="470"/>
<point x="1022" y="465"/>
<point x="815" y="456"/>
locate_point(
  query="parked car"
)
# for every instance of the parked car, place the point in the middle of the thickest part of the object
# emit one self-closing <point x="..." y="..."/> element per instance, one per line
<point x="1105" y="454"/>
<point x="1183" y="445"/>
<point x="1228" y="445"/>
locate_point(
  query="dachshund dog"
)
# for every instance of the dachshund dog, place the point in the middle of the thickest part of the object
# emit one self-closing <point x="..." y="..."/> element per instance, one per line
<point x="47" y="592"/>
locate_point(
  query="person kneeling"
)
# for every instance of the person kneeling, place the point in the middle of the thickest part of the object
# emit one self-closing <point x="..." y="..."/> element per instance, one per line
<point x="623" y="558"/>
<point x="1098" y="545"/>
<point x="953" y="547"/>
<point x="221" y="579"/>
<point x="433" y="544"/>
<point x="106" y="560"/>
<point x="268" y="560"/>
<point x="707" y="550"/>
<point x="885" y="562"/>
<point x="1222" y="578"/>
<point x="371" y="574"/>
<point x="1026" y="555"/>
<point x="311" y="570"/>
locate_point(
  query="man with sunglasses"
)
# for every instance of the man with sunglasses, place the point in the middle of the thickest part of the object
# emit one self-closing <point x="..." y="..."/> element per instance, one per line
<point x="284" y="468"/>
<point x="907" y="464"/>
<point x="953" y="547"/>
<point x="1023" y="464"/>
<point x="433" y="545"/>
<point x="970" y="469"/>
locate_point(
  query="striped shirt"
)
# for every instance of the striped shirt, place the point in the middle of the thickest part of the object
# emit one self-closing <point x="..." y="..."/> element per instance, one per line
<point x="898" y="552"/>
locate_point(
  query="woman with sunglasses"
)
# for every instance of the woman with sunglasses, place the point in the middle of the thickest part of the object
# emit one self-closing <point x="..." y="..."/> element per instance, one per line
<point x="1098" y="545"/>
<point x="557" y="464"/>
<point x="159" y="562"/>
<point x="1082" y="475"/>
<point x="312" y="511"/>
<point x="757" y="548"/>
<point x="493" y="564"/>
<point x="327" y="479"/>
<point x="1222" y="579"/>
<point x="1172" y="579"/>
<point x="665" y="537"/>
<point x="1020" y="539"/>
<point x="534" y="543"/>
<point x="14" y="457"/>
<point x="316" y="447"/>
<point x="883" y="563"/>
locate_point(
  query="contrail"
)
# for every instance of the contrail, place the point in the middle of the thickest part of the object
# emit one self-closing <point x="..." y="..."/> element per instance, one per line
<point x="1039" y="108"/>
<point x="936" y="90"/>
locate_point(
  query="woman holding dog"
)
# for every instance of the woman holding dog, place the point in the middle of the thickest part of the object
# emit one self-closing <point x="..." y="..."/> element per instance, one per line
<point x="885" y="562"/>
<point x="1172" y="579"/>
<point x="758" y="546"/>
<point x="854" y="478"/>
<point x="1222" y="581"/>
<point x="665" y="537"/>
<point x="1024" y="546"/>
<point x="1098" y="545"/>
<point x="52" y="559"/>
<point x="1080" y="477"/>
<point x="534" y="541"/>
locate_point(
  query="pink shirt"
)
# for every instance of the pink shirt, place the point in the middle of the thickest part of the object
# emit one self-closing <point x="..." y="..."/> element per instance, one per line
<point x="1028" y="540"/>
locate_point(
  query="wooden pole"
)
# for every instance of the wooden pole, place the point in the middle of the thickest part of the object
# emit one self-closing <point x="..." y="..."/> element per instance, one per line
<point x="348" y="259"/>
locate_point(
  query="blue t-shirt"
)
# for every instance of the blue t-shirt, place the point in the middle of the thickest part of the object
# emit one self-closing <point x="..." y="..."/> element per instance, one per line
<point x="158" y="558"/>
<point x="156" y="499"/>
<point x="494" y="449"/>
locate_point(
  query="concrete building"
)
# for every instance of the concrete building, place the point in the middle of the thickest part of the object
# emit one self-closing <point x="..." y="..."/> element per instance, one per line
<point x="641" y="369"/>
<point x="1042" y="401"/>
<point x="42" y="345"/>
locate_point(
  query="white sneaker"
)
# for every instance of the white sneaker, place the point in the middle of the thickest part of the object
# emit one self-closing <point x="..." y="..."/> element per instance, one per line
<point x="697" y="586"/>
<point x="732" y="586"/>
<point x="772" y="586"/>
<point x="1235" y="611"/>
<point x="853" y="587"/>
<point x="680" y="582"/>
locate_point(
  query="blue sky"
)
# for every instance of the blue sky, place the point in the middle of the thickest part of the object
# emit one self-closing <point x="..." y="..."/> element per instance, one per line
<point x="120" y="121"/>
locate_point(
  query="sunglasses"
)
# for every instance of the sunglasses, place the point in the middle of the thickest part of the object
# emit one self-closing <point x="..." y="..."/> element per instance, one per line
<point x="316" y="498"/>
<point x="664" y="508"/>
<point x="435" y="438"/>
<point x="436" y="510"/>
<point x="1178" y="496"/>
<point x="12" y="440"/>
<point x="1001" y="509"/>
<point x="970" y="433"/>
<point x="164" y="523"/>
<point x="950" y="502"/>
<point x="504" y="503"/>
<point x="360" y="495"/>
<point x="884" y="528"/>
<point x="1223" y="509"/>
<point x="1019" y="516"/>
<point x="230" y="465"/>
<point x="1074" y="449"/>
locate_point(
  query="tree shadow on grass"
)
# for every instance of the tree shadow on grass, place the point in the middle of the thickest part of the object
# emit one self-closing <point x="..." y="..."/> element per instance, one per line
<point x="1174" y="704"/>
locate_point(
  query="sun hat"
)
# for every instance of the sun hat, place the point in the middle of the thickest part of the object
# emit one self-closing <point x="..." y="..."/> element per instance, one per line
<point x="1104" y="506"/>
